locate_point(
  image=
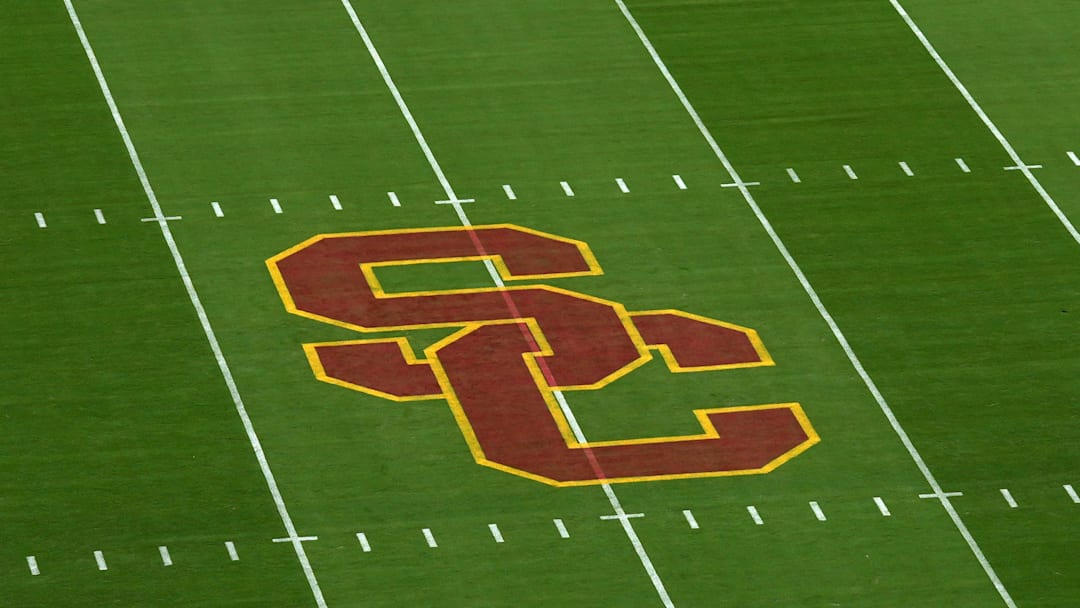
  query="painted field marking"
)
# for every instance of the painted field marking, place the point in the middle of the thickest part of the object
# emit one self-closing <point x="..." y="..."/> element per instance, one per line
<point x="621" y="516"/>
<point x="794" y="176"/>
<point x="690" y="519"/>
<point x="430" y="538"/>
<point x="509" y="192"/>
<point x="496" y="533"/>
<point x="1022" y="167"/>
<point x="621" y="183"/>
<point x="906" y="169"/>
<point x="567" y="190"/>
<point x="99" y="215"/>
<point x="394" y="199"/>
<point x="850" y="172"/>
<point x="1071" y="491"/>
<point x="754" y="515"/>
<point x="679" y="182"/>
<point x="740" y="184"/>
<point x="561" y="527"/>
<point x="216" y="206"/>
<point x="335" y="202"/>
<point x="1074" y="158"/>
<point x="871" y="386"/>
<point x="816" y="508"/>
<point x="231" y="548"/>
<point x="99" y="557"/>
<point x="31" y="562"/>
<point x="963" y="166"/>
<point x="294" y="539"/>
<point x="166" y="559"/>
<point x="163" y="219"/>
<point x="1007" y="495"/>
<point x="436" y="168"/>
<point x="1016" y="161"/>
<point x="942" y="496"/>
<point x="276" y="205"/>
<point x="456" y="201"/>
<point x="882" y="506"/>
<point x="365" y="546"/>
<point x="40" y="218"/>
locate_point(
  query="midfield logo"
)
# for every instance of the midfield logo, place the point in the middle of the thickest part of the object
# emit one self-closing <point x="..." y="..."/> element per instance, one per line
<point x="518" y="348"/>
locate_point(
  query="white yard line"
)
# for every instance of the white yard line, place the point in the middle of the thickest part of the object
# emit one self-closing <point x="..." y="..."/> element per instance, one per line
<point x="365" y="546"/>
<point x="754" y="515"/>
<point x="1009" y="500"/>
<point x="430" y="538"/>
<point x="1071" y="491"/>
<point x="1017" y="161"/>
<point x="200" y="311"/>
<point x="561" y="527"/>
<point x="453" y="199"/>
<point x="690" y="519"/>
<point x="496" y="533"/>
<point x="886" y="410"/>
<point x="882" y="506"/>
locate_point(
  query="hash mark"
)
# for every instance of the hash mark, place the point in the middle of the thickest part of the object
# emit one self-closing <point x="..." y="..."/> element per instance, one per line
<point x="882" y="506"/>
<point x="567" y="189"/>
<point x="217" y="209"/>
<point x="40" y="217"/>
<point x="906" y="169"/>
<point x="1074" y="158"/>
<point x="690" y="519"/>
<point x="335" y="202"/>
<point x="99" y="216"/>
<point x="99" y="557"/>
<point x="561" y="527"/>
<point x="495" y="532"/>
<point x="166" y="559"/>
<point x="818" y="513"/>
<point x="1071" y="492"/>
<point x="1007" y="495"/>
<point x="509" y="192"/>
<point x="679" y="182"/>
<point x="231" y="548"/>
<point x="752" y="510"/>
<point x="364" y="545"/>
<point x="794" y="176"/>
<point x="276" y="205"/>
<point x="850" y="172"/>
<point x="621" y="183"/>
<point x="31" y="561"/>
<point x="430" y="538"/>
<point x="393" y="199"/>
<point x="963" y="166"/>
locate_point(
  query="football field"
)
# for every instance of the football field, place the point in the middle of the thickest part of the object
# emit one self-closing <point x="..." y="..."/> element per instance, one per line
<point x="493" y="303"/>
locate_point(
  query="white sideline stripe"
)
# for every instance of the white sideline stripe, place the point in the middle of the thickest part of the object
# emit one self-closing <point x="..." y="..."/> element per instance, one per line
<point x="40" y="218"/>
<point x="812" y="294"/>
<point x="690" y="519"/>
<point x="621" y="183"/>
<point x="1034" y="181"/>
<point x="818" y="513"/>
<point x="1071" y="491"/>
<point x="216" y="206"/>
<point x="850" y="172"/>
<point x="509" y="192"/>
<point x="394" y="199"/>
<point x="430" y="538"/>
<point x="276" y="205"/>
<point x="99" y="557"/>
<point x="1007" y="495"/>
<point x="31" y="562"/>
<point x="200" y="311"/>
<point x="963" y="166"/>
<point x="567" y="190"/>
<point x="794" y="176"/>
<point x="1074" y="158"/>
<point x="679" y="182"/>
<point x="754" y="515"/>
<point x="335" y="202"/>
<point x="231" y="548"/>
<point x="882" y="506"/>
<point x="627" y="526"/>
<point x="906" y="169"/>
<point x="99" y="216"/>
<point x="166" y="559"/>
<point x="561" y="527"/>
<point x="495" y="532"/>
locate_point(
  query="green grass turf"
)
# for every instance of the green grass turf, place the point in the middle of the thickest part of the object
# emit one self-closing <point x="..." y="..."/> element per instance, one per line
<point x="950" y="287"/>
